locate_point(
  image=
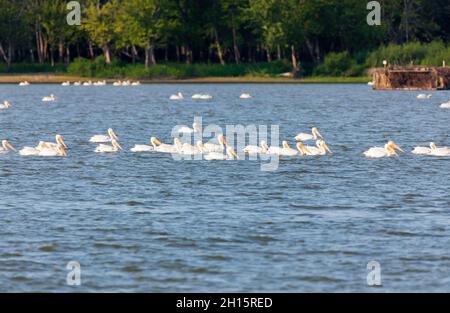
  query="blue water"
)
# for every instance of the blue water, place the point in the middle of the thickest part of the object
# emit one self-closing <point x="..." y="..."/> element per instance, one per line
<point x="147" y="223"/>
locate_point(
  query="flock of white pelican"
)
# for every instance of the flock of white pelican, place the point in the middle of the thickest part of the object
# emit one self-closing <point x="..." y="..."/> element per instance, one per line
<point x="102" y="83"/>
<point x="198" y="96"/>
<point x="109" y="143"/>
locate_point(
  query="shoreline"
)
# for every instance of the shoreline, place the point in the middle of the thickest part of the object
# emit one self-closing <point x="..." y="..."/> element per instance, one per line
<point x="59" y="79"/>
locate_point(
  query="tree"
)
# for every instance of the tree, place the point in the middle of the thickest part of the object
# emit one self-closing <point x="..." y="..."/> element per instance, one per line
<point x="13" y="28"/>
<point x="99" y="24"/>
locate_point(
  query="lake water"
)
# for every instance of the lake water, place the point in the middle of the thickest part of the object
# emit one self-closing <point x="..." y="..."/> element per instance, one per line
<point x="147" y="223"/>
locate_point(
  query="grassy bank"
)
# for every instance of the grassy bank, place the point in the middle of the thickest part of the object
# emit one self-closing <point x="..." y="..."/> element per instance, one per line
<point x="83" y="70"/>
<point x="59" y="78"/>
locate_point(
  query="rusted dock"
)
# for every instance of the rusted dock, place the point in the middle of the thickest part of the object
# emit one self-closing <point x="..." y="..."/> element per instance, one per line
<point x="412" y="78"/>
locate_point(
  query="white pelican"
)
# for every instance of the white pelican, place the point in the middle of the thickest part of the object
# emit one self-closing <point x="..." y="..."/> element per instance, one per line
<point x="245" y="96"/>
<point x="26" y="151"/>
<point x="118" y="83"/>
<point x="53" y="152"/>
<point x="432" y="150"/>
<point x="202" y="97"/>
<point x="143" y="148"/>
<point x="164" y="148"/>
<point x="115" y="147"/>
<point x="187" y="130"/>
<point x="424" y="150"/>
<point x="445" y="105"/>
<point x="135" y="83"/>
<point x="178" y="96"/>
<point x="424" y="96"/>
<point x="278" y="150"/>
<point x="211" y="147"/>
<point x="370" y="83"/>
<point x="5" y="105"/>
<point x="50" y="98"/>
<point x="88" y="83"/>
<point x="288" y="151"/>
<point x="65" y="84"/>
<point x="189" y="149"/>
<point x="77" y="83"/>
<point x="302" y="149"/>
<point x="382" y="152"/>
<point x="25" y="83"/>
<point x="43" y="151"/>
<point x="126" y="83"/>
<point x="6" y="147"/>
<point x="444" y="151"/>
<point x="50" y="145"/>
<point x="100" y="83"/>
<point x="217" y="156"/>
<point x="262" y="148"/>
<point x="321" y="148"/>
<point x="104" y="138"/>
<point x="305" y="137"/>
<point x="439" y="151"/>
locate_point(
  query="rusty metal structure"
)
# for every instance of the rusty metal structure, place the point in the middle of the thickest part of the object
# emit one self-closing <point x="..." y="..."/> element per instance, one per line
<point x="412" y="78"/>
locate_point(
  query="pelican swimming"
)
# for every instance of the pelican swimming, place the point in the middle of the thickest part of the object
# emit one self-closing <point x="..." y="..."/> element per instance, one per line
<point x="5" y="105"/>
<point x="6" y="147"/>
<point x="25" y="83"/>
<point x="202" y="97"/>
<point x="115" y="147"/>
<point x="77" y="83"/>
<point x="88" y="83"/>
<point x="287" y="151"/>
<point x="262" y="148"/>
<point x="65" y="84"/>
<point x="284" y="150"/>
<point x="53" y="152"/>
<point x="189" y="149"/>
<point x="424" y="96"/>
<point x="306" y="137"/>
<point x="445" y="105"/>
<point x="187" y="130"/>
<point x="135" y="83"/>
<point x="126" y="83"/>
<point x="245" y="96"/>
<point x="43" y="151"/>
<point x="439" y="151"/>
<point x="382" y="152"/>
<point x="443" y="151"/>
<point x="164" y="148"/>
<point x="143" y="148"/>
<point x="211" y="147"/>
<point x="50" y="98"/>
<point x="178" y="96"/>
<point x="370" y="83"/>
<point x="50" y="145"/>
<point x="424" y="150"/>
<point x="104" y="138"/>
<point x="217" y="156"/>
<point x="118" y="83"/>
<point x="321" y="148"/>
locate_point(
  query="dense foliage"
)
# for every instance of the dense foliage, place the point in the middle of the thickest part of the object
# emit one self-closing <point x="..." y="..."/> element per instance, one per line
<point x="322" y="37"/>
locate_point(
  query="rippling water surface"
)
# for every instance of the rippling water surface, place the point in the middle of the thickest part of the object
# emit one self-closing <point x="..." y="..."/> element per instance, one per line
<point x="147" y="223"/>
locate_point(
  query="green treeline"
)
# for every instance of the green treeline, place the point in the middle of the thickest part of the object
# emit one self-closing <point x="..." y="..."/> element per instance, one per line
<point x="198" y="38"/>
